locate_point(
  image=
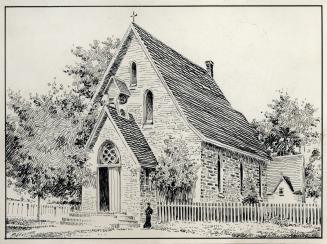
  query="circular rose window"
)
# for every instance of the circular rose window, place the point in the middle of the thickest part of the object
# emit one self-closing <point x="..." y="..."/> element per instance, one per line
<point x="109" y="154"/>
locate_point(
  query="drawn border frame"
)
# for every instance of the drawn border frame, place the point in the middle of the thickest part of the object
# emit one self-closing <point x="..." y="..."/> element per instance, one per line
<point x="171" y="6"/>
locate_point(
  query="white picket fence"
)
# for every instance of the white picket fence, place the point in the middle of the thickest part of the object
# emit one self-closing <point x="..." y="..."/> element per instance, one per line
<point x="28" y="210"/>
<point x="237" y="212"/>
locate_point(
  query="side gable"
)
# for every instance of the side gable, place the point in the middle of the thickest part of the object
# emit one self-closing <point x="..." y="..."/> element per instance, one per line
<point x="287" y="181"/>
<point x="129" y="132"/>
<point x="290" y="166"/>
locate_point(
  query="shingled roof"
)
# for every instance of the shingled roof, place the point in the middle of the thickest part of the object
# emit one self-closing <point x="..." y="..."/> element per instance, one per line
<point x="199" y="97"/>
<point x="131" y="133"/>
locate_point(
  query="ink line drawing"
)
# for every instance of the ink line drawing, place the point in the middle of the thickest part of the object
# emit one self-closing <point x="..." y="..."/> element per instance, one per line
<point x="145" y="144"/>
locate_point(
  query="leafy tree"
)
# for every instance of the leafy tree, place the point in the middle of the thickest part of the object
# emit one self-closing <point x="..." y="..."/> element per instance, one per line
<point x="46" y="133"/>
<point x="313" y="177"/>
<point x="287" y="125"/>
<point x="88" y="71"/>
<point x="290" y="124"/>
<point x="175" y="174"/>
<point x="47" y="160"/>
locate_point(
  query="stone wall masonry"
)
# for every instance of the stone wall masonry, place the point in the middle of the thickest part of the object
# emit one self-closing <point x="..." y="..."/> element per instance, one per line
<point x="167" y="120"/>
<point x="231" y="182"/>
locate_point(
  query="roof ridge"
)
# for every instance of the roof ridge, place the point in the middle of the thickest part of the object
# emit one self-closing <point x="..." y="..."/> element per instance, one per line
<point x="187" y="59"/>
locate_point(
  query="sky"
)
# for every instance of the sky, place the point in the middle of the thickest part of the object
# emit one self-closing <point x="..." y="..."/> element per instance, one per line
<point x="256" y="51"/>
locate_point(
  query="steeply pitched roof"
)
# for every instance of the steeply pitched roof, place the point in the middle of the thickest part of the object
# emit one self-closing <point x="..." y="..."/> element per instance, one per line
<point x="200" y="98"/>
<point x="197" y="94"/>
<point x="132" y="135"/>
<point x="290" y="166"/>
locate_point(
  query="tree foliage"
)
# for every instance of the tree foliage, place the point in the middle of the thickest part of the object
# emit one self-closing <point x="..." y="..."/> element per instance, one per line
<point x="47" y="160"/>
<point x="313" y="175"/>
<point x="288" y="124"/>
<point x="91" y="64"/>
<point x="46" y="133"/>
<point x="175" y="174"/>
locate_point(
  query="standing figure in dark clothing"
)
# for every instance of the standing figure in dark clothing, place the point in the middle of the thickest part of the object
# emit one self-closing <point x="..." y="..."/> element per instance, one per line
<point x="148" y="212"/>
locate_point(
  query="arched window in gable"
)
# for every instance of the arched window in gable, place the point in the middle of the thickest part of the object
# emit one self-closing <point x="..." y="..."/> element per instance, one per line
<point x="148" y="107"/>
<point x="133" y="74"/>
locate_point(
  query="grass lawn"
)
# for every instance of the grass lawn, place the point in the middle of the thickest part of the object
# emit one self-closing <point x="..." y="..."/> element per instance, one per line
<point x="173" y="229"/>
<point x="242" y="230"/>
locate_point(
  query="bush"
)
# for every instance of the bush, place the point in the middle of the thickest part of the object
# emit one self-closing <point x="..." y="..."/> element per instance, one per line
<point x="252" y="197"/>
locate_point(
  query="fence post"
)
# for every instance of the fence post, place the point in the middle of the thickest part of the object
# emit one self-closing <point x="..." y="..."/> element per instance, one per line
<point x="315" y="214"/>
<point x="210" y="211"/>
<point x="179" y="210"/>
<point x="201" y="211"/>
<point x="311" y="210"/>
<point x="197" y="211"/>
<point x="298" y="213"/>
<point x="168" y="211"/>
<point x="263" y="212"/>
<point x="159" y="212"/>
<point x="192" y="211"/>
<point x="259" y="212"/>
<point x="183" y="211"/>
<point x="248" y="212"/>
<point x="294" y="213"/>
<point x="319" y="220"/>
<point x="206" y="211"/>
<point x="173" y="211"/>
<point x="305" y="213"/>
<point x="224" y="212"/>
<point x="301" y="213"/>
<point x="252" y="211"/>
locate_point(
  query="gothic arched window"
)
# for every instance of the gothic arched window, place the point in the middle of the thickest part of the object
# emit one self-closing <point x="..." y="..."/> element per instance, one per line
<point x="148" y="108"/>
<point x="108" y="154"/>
<point x="133" y="74"/>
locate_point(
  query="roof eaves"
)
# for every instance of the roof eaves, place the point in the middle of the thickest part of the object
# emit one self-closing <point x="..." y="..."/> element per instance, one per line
<point x="100" y="118"/>
<point x="197" y="132"/>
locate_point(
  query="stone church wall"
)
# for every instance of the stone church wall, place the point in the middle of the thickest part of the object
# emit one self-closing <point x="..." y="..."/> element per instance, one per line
<point x="231" y="191"/>
<point x="167" y="120"/>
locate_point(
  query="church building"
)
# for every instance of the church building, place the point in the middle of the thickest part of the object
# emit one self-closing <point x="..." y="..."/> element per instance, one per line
<point x="151" y="93"/>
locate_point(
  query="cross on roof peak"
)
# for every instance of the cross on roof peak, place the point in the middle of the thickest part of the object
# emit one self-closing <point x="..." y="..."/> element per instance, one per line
<point x="133" y="16"/>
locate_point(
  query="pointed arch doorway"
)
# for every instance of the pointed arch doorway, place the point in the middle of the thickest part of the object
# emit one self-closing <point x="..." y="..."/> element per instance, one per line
<point x="108" y="183"/>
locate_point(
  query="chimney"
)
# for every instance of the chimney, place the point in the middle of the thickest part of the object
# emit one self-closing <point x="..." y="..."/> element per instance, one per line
<point x="209" y="65"/>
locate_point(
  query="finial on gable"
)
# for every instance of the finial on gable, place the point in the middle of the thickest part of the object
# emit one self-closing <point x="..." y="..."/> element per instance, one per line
<point x="133" y="16"/>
